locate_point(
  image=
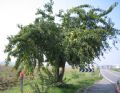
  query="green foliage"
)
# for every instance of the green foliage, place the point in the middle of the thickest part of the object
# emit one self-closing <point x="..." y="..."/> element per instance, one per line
<point x="81" y="37"/>
<point x="44" y="81"/>
<point x="36" y="88"/>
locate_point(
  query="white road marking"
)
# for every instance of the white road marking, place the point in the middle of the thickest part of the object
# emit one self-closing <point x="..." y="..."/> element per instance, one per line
<point x="107" y="78"/>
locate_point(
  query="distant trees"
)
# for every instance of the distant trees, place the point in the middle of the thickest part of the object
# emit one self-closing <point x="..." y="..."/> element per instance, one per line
<point x="79" y="37"/>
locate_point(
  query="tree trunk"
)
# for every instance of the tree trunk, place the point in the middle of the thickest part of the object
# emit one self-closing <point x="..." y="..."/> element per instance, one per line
<point x="57" y="73"/>
<point x="60" y="71"/>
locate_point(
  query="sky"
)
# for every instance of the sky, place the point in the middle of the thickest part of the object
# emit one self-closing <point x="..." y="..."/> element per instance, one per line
<point x="13" y="12"/>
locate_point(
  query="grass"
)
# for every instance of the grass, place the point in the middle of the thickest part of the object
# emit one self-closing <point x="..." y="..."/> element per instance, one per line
<point x="73" y="78"/>
<point x="27" y="89"/>
<point x="80" y="79"/>
<point x="116" y="69"/>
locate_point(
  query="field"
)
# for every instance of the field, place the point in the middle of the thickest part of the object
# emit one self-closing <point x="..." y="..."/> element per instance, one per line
<point x="116" y="69"/>
<point x="7" y="78"/>
<point x="73" y="78"/>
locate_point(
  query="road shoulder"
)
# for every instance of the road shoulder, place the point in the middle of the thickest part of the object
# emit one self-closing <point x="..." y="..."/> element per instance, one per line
<point x="102" y="86"/>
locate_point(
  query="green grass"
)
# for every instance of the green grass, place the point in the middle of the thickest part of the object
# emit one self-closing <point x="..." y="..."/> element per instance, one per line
<point x="116" y="69"/>
<point x="73" y="78"/>
<point x="27" y="89"/>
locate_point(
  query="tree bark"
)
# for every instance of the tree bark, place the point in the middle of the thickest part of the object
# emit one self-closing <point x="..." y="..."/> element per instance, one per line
<point x="60" y="71"/>
<point x="57" y="73"/>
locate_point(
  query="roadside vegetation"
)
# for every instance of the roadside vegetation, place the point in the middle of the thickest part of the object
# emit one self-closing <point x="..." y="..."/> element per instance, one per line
<point x="8" y="77"/>
<point x="116" y="69"/>
<point x="80" y="36"/>
<point x="73" y="80"/>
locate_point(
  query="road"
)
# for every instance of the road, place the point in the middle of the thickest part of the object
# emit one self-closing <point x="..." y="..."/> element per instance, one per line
<point x="111" y="76"/>
<point x="106" y="85"/>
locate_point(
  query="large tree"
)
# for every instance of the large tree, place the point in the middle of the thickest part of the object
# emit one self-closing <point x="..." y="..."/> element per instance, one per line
<point x="82" y="34"/>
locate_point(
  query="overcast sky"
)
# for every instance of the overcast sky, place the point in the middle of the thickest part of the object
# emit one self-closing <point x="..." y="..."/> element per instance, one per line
<point x="13" y="12"/>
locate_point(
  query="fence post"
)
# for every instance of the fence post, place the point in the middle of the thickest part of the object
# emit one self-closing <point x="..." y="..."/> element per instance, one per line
<point x="21" y="81"/>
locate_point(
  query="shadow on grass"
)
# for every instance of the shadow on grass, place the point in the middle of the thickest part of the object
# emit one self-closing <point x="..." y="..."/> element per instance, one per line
<point x="71" y="88"/>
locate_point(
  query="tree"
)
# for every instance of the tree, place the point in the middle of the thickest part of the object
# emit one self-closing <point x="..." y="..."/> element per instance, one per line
<point x="80" y="37"/>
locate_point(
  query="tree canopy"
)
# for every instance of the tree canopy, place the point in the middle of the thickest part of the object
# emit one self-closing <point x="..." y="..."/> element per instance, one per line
<point x="81" y="36"/>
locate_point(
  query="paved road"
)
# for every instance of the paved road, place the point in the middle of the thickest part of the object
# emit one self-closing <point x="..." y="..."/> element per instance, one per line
<point x="106" y="85"/>
<point x="103" y="86"/>
<point x="111" y="76"/>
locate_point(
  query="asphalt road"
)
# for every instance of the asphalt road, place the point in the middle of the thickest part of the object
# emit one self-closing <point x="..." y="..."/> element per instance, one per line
<point x="103" y="86"/>
<point x="106" y="84"/>
<point x="111" y="76"/>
